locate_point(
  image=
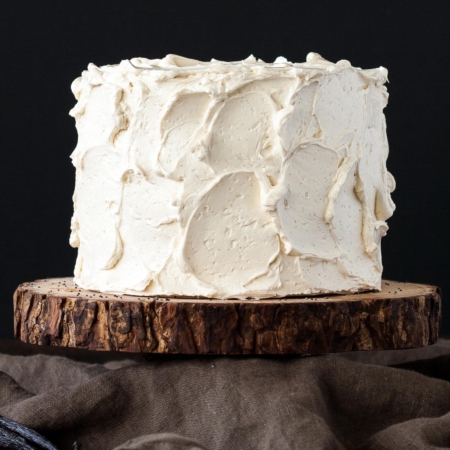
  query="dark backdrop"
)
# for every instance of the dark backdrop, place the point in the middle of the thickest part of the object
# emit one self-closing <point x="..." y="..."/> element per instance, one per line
<point x="46" y="44"/>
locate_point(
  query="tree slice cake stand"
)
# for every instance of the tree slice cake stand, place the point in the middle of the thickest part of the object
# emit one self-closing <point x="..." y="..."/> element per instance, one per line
<point x="56" y="312"/>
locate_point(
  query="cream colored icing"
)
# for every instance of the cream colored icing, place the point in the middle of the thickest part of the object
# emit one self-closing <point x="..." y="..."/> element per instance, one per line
<point x="230" y="180"/>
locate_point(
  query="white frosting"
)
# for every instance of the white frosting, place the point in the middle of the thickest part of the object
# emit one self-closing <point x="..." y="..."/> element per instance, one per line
<point x="230" y="180"/>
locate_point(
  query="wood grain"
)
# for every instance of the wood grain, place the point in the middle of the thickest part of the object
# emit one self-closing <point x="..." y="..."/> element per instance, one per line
<point x="55" y="312"/>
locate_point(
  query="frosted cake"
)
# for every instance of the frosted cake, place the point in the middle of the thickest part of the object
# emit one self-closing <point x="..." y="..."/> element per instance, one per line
<point x="230" y="179"/>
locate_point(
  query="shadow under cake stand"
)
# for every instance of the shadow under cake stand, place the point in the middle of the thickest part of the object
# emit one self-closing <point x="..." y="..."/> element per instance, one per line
<point x="56" y="312"/>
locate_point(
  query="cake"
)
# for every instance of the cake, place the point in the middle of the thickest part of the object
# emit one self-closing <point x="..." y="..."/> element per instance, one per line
<point x="230" y="179"/>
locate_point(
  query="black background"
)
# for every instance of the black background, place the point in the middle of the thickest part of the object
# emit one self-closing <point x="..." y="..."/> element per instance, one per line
<point x="45" y="45"/>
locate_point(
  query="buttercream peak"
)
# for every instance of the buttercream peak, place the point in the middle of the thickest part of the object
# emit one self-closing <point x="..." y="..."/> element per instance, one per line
<point x="280" y="59"/>
<point x="383" y="71"/>
<point x="343" y="63"/>
<point x="179" y="61"/>
<point x="250" y="59"/>
<point x="313" y="57"/>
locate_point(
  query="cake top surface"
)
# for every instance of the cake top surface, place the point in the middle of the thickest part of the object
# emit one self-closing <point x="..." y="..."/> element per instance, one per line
<point x="175" y="65"/>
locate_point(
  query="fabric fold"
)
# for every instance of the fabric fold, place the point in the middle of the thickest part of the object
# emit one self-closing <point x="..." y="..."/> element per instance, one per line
<point x="254" y="403"/>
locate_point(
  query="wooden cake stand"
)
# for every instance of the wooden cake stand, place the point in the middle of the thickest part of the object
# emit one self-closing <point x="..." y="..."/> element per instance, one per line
<point x="55" y="312"/>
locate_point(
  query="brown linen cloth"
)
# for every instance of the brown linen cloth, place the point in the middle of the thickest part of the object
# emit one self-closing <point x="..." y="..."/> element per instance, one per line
<point x="353" y="401"/>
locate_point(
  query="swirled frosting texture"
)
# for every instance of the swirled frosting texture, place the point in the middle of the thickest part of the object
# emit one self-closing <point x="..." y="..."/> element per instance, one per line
<point x="230" y="180"/>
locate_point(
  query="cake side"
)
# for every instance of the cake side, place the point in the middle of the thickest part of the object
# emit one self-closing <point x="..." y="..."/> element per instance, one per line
<point x="230" y="180"/>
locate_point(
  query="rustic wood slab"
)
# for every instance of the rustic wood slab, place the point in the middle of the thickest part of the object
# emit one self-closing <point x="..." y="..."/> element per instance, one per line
<point x="55" y="312"/>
